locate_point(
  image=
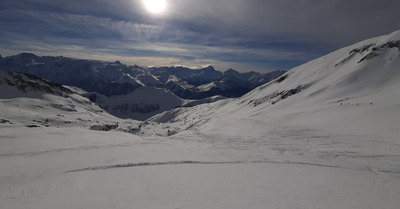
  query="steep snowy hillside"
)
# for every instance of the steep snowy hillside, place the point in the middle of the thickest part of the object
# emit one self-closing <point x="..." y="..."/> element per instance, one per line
<point x="342" y="109"/>
<point x="361" y="80"/>
<point x="355" y="89"/>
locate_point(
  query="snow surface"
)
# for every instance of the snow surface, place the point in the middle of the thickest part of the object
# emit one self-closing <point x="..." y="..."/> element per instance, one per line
<point x="325" y="135"/>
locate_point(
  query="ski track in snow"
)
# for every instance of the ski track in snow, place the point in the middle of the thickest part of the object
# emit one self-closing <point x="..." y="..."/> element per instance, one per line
<point x="190" y="162"/>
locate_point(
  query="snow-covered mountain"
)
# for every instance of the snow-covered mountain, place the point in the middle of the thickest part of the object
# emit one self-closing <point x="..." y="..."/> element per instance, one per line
<point x="116" y="79"/>
<point x="234" y="84"/>
<point x="89" y="75"/>
<point x="207" y="82"/>
<point x="191" y="76"/>
<point x="354" y="90"/>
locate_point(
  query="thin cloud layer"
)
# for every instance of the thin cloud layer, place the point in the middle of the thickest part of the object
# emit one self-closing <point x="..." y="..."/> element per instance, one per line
<point x="250" y="34"/>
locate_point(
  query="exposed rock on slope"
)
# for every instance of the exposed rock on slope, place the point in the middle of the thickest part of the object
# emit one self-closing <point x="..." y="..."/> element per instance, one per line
<point x="27" y="83"/>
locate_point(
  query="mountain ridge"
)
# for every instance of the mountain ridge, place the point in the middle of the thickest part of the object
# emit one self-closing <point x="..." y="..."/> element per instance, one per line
<point x="116" y="79"/>
<point x="105" y="77"/>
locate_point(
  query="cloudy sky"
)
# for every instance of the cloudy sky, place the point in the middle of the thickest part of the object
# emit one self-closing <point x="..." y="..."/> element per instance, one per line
<point x="245" y="35"/>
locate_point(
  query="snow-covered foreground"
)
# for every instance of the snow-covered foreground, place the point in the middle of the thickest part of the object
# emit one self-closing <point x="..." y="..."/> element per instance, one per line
<point x="76" y="168"/>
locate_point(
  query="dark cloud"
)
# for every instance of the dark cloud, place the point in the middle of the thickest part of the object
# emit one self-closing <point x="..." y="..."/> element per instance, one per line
<point x="253" y="34"/>
<point x="300" y="20"/>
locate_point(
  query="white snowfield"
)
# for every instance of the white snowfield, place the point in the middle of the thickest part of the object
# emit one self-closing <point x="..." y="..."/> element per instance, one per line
<point x="325" y="135"/>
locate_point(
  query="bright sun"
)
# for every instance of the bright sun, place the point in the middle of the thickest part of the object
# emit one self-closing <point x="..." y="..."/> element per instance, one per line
<point x="155" y="6"/>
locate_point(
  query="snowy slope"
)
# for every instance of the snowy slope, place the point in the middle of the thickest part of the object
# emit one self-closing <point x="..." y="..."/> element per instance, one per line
<point x="28" y="101"/>
<point x="353" y="89"/>
<point x="342" y="109"/>
<point x="366" y="74"/>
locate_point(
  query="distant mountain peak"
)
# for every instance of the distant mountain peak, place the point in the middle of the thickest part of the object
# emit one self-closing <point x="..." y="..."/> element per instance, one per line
<point x="137" y="67"/>
<point x="26" y="55"/>
<point x="231" y="72"/>
<point x="209" y="67"/>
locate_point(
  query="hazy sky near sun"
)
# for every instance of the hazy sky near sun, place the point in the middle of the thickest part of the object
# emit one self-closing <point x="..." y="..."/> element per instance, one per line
<point x="241" y="34"/>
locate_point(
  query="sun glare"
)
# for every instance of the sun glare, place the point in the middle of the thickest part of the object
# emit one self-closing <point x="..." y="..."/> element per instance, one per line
<point x="155" y="6"/>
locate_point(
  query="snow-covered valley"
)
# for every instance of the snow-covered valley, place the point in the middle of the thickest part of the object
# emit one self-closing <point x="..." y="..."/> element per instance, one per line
<point x="324" y="135"/>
